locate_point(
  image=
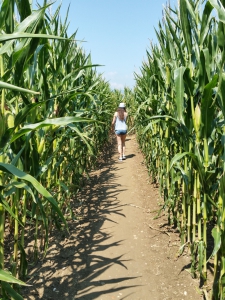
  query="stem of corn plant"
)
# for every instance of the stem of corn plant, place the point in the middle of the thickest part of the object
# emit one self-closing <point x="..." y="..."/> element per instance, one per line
<point x="2" y="228"/>
<point x="36" y="237"/>
<point x="205" y="237"/>
<point x="206" y="161"/>
<point x="16" y="199"/>
<point x="3" y="90"/>
<point x="189" y="222"/>
<point x="189" y="189"/>
<point x="194" y="208"/>
<point x="199" y="208"/>
<point x="2" y="159"/>
<point x="24" y="212"/>
<point x="184" y="204"/>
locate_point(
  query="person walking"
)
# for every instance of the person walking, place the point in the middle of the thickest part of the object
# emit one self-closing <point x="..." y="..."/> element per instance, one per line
<point x="120" y="126"/>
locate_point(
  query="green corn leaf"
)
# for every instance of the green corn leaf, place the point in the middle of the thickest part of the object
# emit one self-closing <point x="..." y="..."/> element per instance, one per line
<point x="23" y="262"/>
<point x="181" y="248"/>
<point x="31" y="21"/>
<point x="9" y="210"/>
<point x="222" y="274"/>
<point x="207" y="109"/>
<point x="82" y="136"/>
<point x="216" y="233"/>
<point x="169" y="118"/>
<point x="14" y="295"/>
<point x="20" y="35"/>
<point x="64" y="186"/>
<point x="4" y="12"/>
<point x="212" y="202"/>
<point x="173" y="54"/>
<point x="222" y="192"/>
<point x="4" y="85"/>
<point x="221" y="100"/>
<point x="149" y="126"/>
<point x="183" y="173"/>
<point x="220" y="9"/>
<point x="18" y="173"/>
<point x="207" y="63"/>
<point x="192" y="11"/>
<point x="20" y="185"/>
<point x="177" y="158"/>
<point x="205" y="22"/>
<point x="21" y="116"/>
<point x="160" y="37"/>
<point x="185" y="24"/>
<point x="7" y="277"/>
<point x="197" y="163"/>
<point x="174" y="35"/>
<point x="24" y="8"/>
<point x="164" y="117"/>
<point x="189" y="83"/>
<point x="44" y="219"/>
<point x="201" y="254"/>
<point x="179" y="88"/>
<point x="63" y="121"/>
<point x="16" y="158"/>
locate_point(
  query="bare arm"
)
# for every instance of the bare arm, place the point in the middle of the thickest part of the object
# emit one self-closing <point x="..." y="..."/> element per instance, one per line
<point x="113" y="121"/>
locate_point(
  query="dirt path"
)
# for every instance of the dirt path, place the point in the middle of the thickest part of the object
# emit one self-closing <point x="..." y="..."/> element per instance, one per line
<point x="118" y="250"/>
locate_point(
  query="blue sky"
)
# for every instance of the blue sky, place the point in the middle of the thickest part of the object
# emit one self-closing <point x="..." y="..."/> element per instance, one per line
<point x="117" y="33"/>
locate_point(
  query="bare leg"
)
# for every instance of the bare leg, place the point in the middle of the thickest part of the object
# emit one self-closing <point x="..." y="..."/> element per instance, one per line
<point x="120" y="146"/>
<point x="123" y="138"/>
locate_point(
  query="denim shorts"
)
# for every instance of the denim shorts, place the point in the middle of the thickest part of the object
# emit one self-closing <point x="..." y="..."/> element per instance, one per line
<point x="121" y="132"/>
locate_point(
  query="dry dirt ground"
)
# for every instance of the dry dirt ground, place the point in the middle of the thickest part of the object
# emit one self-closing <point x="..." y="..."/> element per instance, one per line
<point x="117" y="249"/>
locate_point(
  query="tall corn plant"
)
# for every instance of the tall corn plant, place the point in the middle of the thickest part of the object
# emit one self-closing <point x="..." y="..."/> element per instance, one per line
<point x="50" y="95"/>
<point x="179" y="95"/>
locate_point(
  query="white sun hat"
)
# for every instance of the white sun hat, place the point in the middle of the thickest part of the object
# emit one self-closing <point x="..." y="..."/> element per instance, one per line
<point x="122" y="105"/>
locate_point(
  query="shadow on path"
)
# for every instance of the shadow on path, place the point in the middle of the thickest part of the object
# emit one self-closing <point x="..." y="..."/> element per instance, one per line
<point x="73" y="263"/>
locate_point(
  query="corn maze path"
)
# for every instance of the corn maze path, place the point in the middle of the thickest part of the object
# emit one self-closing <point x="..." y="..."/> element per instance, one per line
<point x="117" y="250"/>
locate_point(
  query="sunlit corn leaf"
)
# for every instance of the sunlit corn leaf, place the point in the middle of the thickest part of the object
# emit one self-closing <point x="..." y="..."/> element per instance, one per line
<point x="18" y="173"/>
<point x="7" y="277"/>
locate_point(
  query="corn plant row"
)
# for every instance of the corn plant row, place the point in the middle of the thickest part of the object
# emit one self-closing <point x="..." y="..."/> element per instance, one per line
<point x="179" y="110"/>
<point x="55" y="115"/>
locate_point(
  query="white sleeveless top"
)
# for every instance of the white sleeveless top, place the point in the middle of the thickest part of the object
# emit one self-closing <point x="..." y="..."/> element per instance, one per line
<point x="120" y="124"/>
